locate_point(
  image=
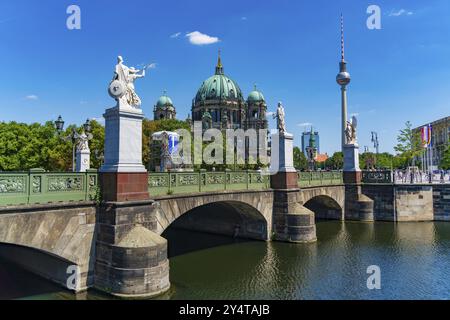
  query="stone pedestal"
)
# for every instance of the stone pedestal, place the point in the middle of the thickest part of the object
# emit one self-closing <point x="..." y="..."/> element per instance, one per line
<point x="123" y="176"/>
<point x="292" y="221"/>
<point x="357" y="205"/>
<point x="83" y="160"/>
<point x="123" y="140"/>
<point x="131" y="259"/>
<point x="351" y="158"/>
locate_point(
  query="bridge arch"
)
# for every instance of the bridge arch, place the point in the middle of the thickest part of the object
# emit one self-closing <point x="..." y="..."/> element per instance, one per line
<point x="238" y="214"/>
<point x="54" y="237"/>
<point x="326" y="202"/>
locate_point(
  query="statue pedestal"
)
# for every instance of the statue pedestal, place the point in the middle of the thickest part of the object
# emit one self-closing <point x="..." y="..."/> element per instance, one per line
<point x="123" y="176"/>
<point x="357" y="205"/>
<point x="352" y="172"/>
<point x="351" y="157"/>
<point x="292" y="221"/>
<point x="284" y="175"/>
<point x="83" y="162"/>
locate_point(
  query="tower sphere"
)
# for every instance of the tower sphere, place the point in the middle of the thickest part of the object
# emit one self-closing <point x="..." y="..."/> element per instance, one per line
<point x="343" y="78"/>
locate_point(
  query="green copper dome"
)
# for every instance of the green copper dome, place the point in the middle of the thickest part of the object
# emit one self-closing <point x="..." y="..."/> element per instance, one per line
<point x="256" y="96"/>
<point x="163" y="101"/>
<point x="219" y="87"/>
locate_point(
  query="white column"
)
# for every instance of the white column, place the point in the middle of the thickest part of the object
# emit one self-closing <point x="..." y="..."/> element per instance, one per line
<point x="123" y="140"/>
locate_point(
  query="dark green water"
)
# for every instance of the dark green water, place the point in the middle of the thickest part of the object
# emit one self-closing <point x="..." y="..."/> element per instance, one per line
<point x="414" y="259"/>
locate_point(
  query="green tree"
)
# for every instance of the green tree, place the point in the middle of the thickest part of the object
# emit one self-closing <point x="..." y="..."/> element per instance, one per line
<point x="26" y="146"/>
<point x="445" y="162"/>
<point x="336" y="161"/>
<point x="409" y="145"/>
<point x="300" y="161"/>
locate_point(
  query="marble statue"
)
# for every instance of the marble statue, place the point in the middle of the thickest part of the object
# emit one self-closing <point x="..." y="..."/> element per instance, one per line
<point x="122" y="87"/>
<point x="350" y="131"/>
<point x="281" y="125"/>
<point x="83" y="141"/>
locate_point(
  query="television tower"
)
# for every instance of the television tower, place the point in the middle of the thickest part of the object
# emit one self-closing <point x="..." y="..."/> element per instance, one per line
<point x="343" y="79"/>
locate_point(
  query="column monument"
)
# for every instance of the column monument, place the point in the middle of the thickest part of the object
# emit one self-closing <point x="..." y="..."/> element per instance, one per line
<point x="131" y="259"/>
<point x="292" y="221"/>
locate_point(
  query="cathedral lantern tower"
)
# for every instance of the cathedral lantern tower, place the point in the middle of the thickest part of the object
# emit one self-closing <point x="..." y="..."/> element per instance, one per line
<point x="257" y="110"/>
<point x="164" y="108"/>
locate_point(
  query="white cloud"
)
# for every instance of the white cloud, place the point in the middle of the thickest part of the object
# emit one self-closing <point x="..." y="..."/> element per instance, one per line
<point x="199" y="39"/>
<point x="176" y="35"/>
<point x="400" y="12"/>
<point x="32" y="97"/>
<point x="243" y="18"/>
<point x="356" y="114"/>
<point x="269" y="114"/>
<point x="305" y="124"/>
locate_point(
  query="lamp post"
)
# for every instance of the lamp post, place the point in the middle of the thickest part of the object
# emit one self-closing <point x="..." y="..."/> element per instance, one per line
<point x="74" y="136"/>
<point x="376" y="145"/>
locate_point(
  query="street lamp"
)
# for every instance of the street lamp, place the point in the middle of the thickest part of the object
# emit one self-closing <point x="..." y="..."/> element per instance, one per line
<point x="59" y="125"/>
<point x="376" y="145"/>
<point x="74" y="136"/>
<point x="87" y="126"/>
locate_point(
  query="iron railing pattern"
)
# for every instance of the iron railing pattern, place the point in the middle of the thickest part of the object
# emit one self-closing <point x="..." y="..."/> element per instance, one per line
<point x="319" y="178"/>
<point x="195" y="182"/>
<point x="38" y="186"/>
<point x="377" y="176"/>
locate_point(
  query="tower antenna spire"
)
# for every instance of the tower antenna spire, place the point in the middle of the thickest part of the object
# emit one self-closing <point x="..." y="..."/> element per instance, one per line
<point x="342" y="39"/>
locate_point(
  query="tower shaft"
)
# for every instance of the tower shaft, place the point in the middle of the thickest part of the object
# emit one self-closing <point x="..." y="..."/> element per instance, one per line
<point x="344" y="114"/>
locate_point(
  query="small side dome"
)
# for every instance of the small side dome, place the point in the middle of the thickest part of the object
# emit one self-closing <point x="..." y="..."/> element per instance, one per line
<point x="256" y="96"/>
<point x="164" y="101"/>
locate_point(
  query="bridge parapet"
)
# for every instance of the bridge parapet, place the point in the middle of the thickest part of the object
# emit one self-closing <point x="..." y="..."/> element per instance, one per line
<point x="38" y="186"/>
<point x="196" y="182"/>
<point x="313" y="179"/>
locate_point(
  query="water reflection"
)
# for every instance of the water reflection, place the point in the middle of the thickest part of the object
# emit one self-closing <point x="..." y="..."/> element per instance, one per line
<point x="414" y="259"/>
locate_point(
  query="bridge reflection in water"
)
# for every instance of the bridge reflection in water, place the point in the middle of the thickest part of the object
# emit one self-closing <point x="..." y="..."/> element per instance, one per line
<point x="220" y="267"/>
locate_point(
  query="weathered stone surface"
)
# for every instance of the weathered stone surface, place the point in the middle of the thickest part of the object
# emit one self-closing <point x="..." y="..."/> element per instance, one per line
<point x="131" y="259"/>
<point x="65" y="231"/>
<point x="414" y="203"/>
<point x="441" y="202"/>
<point x="253" y="210"/>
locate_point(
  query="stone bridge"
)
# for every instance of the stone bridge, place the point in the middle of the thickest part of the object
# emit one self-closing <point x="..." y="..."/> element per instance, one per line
<point x="119" y="247"/>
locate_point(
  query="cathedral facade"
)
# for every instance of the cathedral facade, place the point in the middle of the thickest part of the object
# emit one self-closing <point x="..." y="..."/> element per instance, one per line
<point x="220" y="104"/>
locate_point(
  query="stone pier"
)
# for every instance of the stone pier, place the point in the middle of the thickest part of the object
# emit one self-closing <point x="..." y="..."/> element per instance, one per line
<point x="292" y="221"/>
<point x="131" y="259"/>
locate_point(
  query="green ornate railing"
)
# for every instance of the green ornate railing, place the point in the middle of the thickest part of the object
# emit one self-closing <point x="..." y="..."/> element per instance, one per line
<point x="323" y="178"/>
<point x="192" y="182"/>
<point x="38" y="186"/>
<point x="377" y="176"/>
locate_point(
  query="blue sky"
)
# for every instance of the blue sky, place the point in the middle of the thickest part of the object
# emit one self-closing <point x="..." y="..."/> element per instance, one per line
<point x="289" y="48"/>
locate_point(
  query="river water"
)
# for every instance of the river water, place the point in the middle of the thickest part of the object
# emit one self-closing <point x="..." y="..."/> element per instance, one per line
<point x="414" y="259"/>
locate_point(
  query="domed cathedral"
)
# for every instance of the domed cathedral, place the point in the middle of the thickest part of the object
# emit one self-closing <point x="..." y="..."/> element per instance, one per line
<point x="164" y="108"/>
<point x="220" y="104"/>
<point x="257" y="110"/>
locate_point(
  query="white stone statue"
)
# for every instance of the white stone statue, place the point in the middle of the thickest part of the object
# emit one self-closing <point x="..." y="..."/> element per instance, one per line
<point x="122" y="87"/>
<point x="83" y="141"/>
<point x="350" y="131"/>
<point x="281" y="125"/>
